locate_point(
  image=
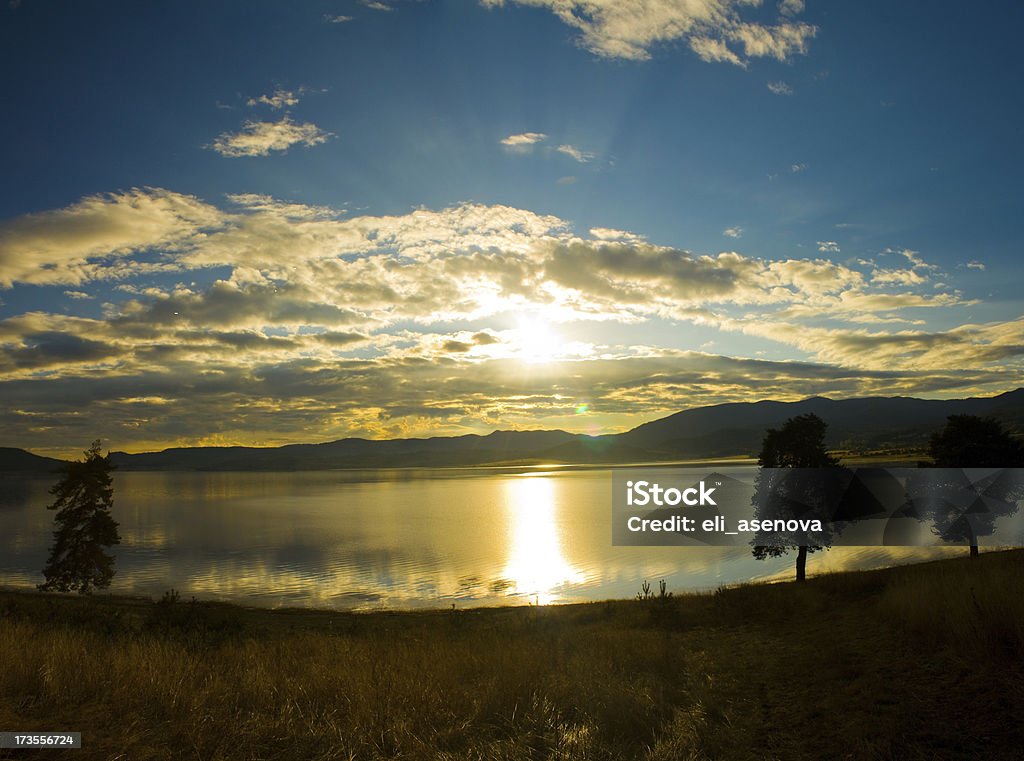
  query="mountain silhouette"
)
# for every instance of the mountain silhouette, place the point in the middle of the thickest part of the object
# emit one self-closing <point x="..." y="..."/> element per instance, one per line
<point x="721" y="430"/>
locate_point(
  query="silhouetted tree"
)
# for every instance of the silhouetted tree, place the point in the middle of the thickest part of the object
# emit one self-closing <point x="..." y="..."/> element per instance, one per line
<point x="85" y="528"/>
<point x="968" y="441"/>
<point x="962" y="510"/>
<point x="800" y="443"/>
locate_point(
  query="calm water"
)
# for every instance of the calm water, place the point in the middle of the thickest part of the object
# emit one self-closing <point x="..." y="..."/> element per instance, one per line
<point x="383" y="539"/>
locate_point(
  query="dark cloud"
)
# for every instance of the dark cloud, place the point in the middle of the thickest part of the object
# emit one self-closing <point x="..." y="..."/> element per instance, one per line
<point x="485" y="339"/>
<point x="48" y="349"/>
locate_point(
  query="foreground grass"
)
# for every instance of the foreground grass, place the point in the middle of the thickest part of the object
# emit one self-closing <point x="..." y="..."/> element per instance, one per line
<point x="918" y="662"/>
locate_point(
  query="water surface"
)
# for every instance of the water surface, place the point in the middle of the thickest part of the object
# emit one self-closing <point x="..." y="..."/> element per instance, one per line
<point x="403" y="538"/>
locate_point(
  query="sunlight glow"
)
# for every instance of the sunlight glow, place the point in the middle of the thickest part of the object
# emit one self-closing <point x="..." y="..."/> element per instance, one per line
<point x="537" y="342"/>
<point x="536" y="565"/>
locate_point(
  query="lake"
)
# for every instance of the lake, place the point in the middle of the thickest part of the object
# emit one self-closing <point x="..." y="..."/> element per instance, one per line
<point x="402" y="538"/>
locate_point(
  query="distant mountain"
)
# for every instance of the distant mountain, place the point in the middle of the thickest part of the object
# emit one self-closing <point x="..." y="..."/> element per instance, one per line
<point x="722" y="430"/>
<point x="853" y="424"/>
<point x="19" y="461"/>
<point x="500" y="446"/>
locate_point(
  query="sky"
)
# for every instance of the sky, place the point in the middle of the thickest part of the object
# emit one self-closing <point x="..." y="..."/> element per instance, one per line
<point x="263" y="223"/>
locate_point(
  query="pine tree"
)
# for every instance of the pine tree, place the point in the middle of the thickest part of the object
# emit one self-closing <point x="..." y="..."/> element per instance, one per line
<point x="85" y="528"/>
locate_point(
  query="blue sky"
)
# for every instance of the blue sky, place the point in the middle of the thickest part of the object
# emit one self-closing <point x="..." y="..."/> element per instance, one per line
<point x="264" y="222"/>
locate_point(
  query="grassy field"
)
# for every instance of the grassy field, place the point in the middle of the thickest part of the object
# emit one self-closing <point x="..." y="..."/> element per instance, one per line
<point x="917" y="662"/>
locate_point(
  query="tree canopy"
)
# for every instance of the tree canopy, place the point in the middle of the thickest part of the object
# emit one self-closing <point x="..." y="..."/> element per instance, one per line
<point x="962" y="510"/>
<point x="798" y="444"/>
<point x="968" y="441"/>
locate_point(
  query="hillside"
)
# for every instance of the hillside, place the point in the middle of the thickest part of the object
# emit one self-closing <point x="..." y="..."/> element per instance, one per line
<point x="14" y="460"/>
<point x="722" y="430"/>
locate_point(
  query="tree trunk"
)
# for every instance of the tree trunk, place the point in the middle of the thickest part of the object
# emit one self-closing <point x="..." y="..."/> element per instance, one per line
<point x="801" y="563"/>
<point x="974" y="550"/>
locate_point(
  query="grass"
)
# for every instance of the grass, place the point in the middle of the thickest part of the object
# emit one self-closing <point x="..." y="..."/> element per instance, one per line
<point x="916" y="662"/>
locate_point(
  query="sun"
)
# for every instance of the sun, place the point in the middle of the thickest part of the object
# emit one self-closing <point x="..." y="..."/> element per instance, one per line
<point x="537" y="342"/>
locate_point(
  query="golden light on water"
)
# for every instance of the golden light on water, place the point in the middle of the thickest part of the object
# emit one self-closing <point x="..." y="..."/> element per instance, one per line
<point x="536" y="564"/>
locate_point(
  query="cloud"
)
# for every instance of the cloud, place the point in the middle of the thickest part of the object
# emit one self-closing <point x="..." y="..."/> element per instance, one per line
<point x="523" y="141"/>
<point x="975" y="265"/>
<point x="714" y="51"/>
<point x="796" y="168"/>
<point x="230" y="304"/>
<point x="42" y="350"/>
<point x="780" y="88"/>
<point x="913" y="257"/>
<point x="95" y="237"/>
<point x="261" y="138"/>
<point x="907" y="277"/>
<point x="610" y="233"/>
<point x="484" y="338"/>
<point x="300" y="400"/>
<point x="261" y="319"/>
<point x="828" y="246"/>
<point x="374" y="5"/>
<point x="779" y="42"/>
<point x="733" y="232"/>
<point x="581" y="156"/>
<point x="78" y="295"/>
<point x="457" y="263"/>
<point x="337" y="19"/>
<point x="277" y="100"/>
<point x="791" y="7"/>
<point x="966" y="346"/>
<point x="714" y="29"/>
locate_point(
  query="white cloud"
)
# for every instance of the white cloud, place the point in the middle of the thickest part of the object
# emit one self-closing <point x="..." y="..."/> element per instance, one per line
<point x="286" y="315"/>
<point x="714" y="51"/>
<point x="780" y="88"/>
<point x="338" y="19"/>
<point x="458" y="263"/>
<point x="913" y="257"/>
<point x="277" y="100"/>
<point x="966" y="346"/>
<point x="791" y="7"/>
<point x="78" y="295"/>
<point x="975" y="265"/>
<point x="523" y="141"/>
<point x="779" y="42"/>
<point x="95" y="237"/>
<point x="897" y="277"/>
<point x="260" y="138"/>
<point x="374" y="5"/>
<point x="796" y="168"/>
<point x="714" y="29"/>
<point x="733" y="232"/>
<point x="828" y="246"/>
<point x="581" y="156"/>
<point x="610" y="233"/>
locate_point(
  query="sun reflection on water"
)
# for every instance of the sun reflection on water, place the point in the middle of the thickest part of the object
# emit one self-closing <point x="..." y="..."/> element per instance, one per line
<point x="536" y="564"/>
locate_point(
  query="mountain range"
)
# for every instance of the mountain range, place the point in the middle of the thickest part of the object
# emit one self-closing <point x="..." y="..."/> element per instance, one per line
<point x="721" y="430"/>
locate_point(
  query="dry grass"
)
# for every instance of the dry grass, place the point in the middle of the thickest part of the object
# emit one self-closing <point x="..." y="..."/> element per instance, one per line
<point x="914" y="662"/>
